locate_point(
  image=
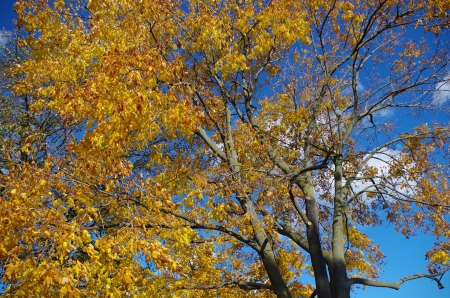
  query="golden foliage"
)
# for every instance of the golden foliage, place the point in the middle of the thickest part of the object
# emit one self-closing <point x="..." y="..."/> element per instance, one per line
<point x="206" y="145"/>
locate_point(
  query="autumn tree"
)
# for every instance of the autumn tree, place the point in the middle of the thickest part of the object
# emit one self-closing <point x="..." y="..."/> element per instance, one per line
<point x="224" y="148"/>
<point x="26" y="136"/>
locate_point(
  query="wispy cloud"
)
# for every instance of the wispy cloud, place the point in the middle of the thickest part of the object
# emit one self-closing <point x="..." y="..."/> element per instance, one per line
<point x="383" y="163"/>
<point x="442" y="91"/>
<point x="385" y="113"/>
<point x="361" y="87"/>
<point x="4" y="37"/>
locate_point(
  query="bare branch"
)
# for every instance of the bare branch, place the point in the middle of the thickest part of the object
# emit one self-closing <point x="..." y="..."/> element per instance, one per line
<point x="396" y="285"/>
<point x="202" y="133"/>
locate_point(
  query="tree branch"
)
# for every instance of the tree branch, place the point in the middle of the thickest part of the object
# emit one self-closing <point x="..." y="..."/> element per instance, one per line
<point x="201" y="132"/>
<point x="198" y="225"/>
<point x="244" y="285"/>
<point x="396" y="285"/>
<point x="313" y="294"/>
<point x="301" y="241"/>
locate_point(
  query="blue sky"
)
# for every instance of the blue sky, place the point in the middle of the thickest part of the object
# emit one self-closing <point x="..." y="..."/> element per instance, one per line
<point x="7" y="14"/>
<point x="404" y="256"/>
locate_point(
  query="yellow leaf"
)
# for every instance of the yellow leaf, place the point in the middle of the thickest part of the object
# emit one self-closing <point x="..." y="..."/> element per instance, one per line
<point x="86" y="236"/>
<point x="9" y="271"/>
<point x="127" y="279"/>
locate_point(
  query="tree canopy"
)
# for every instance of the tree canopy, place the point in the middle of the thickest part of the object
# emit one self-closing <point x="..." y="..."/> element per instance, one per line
<point x="226" y="148"/>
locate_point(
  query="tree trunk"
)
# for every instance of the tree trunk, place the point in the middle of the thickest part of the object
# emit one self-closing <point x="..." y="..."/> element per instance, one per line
<point x="267" y="256"/>
<point x="315" y="248"/>
<point x="338" y="276"/>
<point x="277" y="283"/>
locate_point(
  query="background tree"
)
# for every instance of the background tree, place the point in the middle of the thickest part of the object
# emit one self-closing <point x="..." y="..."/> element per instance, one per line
<point x="245" y="132"/>
<point x="27" y="136"/>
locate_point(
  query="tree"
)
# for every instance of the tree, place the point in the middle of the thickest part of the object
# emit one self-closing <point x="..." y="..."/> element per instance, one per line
<point x="22" y="130"/>
<point x="247" y="133"/>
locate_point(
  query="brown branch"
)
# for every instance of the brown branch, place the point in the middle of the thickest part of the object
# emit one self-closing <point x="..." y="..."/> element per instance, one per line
<point x="244" y="285"/>
<point x="323" y="165"/>
<point x="197" y="225"/>
<point x="297" y="207"/>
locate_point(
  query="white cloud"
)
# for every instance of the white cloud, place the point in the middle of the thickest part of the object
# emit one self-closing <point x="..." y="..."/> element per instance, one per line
<point x="385" y="113"/>
<point x="442" y="91"/>
<point x="361" y="87"/>
<point x="382" y="162"/>
<point x="4" y="37"/>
